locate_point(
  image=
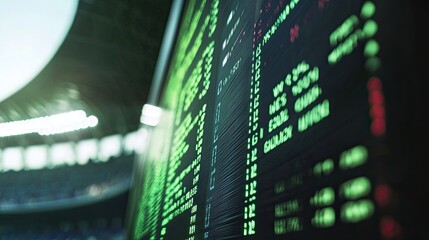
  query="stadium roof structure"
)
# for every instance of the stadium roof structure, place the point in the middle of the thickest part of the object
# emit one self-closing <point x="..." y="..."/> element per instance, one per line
<point x="104" y="67"/>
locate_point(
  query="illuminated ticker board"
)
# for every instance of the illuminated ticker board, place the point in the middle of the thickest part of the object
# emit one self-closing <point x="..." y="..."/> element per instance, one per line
<point x="273" y="127"/>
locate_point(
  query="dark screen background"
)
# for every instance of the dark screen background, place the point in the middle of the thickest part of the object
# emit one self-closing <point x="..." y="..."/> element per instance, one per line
<point x="282" y="120"/>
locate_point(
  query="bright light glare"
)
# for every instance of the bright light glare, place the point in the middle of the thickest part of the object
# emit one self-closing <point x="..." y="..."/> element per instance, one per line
<point x="36" y="157"/>
<point x="12" y="159"/>
<point x="110" y="146"/>
<point x="150" y="115"/>
<point x="62" y="153"/>
<point x="135" y="141"/>
<point x="31" y="33"/>
<point x="86" y="150"/>
<point x="54" y="124"/>
<point x="140" y="144"/>
<point x="130" y="142"/>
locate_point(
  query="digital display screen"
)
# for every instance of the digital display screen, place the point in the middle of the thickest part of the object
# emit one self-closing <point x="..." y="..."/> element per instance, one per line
<point x="273" y="125"/>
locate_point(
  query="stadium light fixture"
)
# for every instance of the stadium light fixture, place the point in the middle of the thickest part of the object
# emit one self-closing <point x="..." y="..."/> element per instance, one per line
<point x="54" y="124"/>
<point x="150" y="115"/>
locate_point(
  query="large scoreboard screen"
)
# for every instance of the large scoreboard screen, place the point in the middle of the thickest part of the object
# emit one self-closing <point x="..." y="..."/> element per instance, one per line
<point x="281" y="119"/>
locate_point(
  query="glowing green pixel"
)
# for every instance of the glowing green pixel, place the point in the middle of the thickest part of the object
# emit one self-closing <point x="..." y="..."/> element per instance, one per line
<point x="323" y="197"/>
<point x="277" y="104"/>
<point x="249" y="225"/>
<point x="370" y="28"/>
<point x="287" y="225"/>
<point x="353" y="157"/>
<point x="286" y="208"/>
<point x="372" y="64"/>
<point x="343" y="30"/>
<point x="278" y="120"/>
<point x="352" y="212"/>
<point x="305" y="82"/>
<point x="371" y="48"/>
<point x="278" y="88"/>
<point x="315" y="115"/>
<point x="324" y="217"/>
<point x="368" y="9"/>
<point x="308" y="98"/>
<point x="348" y="45"/>
<point x="282" y="17"/>
<point x="355" y="188"/>
<point x="324" y="168"/>
<point x="249" y="228"/>
<point x="278" y="139"/>
<point x="213" y="17"/>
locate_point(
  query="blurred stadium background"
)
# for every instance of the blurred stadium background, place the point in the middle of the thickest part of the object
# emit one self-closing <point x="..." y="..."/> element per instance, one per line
<point x="68" y="139"/>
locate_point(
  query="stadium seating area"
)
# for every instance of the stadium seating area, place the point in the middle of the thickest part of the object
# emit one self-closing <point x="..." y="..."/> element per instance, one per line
<point x="65" y="185"/>
<point x="97" y="234"/>
<point x="46" y="226"/>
